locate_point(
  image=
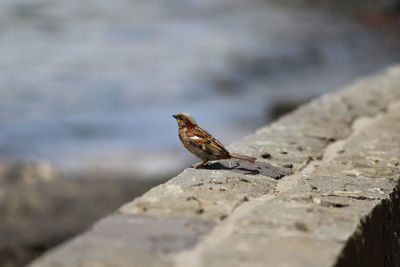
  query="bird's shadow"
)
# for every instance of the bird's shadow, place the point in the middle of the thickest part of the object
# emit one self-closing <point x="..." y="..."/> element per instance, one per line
<point x="250" y="168"/>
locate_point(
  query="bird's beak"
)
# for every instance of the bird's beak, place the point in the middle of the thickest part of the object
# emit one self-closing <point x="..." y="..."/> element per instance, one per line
<point x="175" y="116"/>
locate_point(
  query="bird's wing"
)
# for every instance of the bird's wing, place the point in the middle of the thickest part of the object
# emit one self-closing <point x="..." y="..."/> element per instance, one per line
<point x="202" y="139"/>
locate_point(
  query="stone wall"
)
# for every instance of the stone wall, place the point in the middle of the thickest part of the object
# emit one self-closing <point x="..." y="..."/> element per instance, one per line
<point x="329" y="198"/>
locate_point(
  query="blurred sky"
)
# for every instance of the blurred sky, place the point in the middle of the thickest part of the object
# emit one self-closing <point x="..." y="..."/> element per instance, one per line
<point x="92" y="84"/>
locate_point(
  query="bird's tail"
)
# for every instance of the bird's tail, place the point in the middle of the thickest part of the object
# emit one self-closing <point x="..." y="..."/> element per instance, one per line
<point x="243" y="157"/>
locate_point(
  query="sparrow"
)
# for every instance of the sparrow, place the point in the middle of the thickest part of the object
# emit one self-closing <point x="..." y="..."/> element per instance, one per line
<point x="202" y="144"/>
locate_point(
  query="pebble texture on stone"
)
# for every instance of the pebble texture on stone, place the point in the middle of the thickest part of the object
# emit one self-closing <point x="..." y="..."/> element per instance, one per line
<point x="329" y="198"/>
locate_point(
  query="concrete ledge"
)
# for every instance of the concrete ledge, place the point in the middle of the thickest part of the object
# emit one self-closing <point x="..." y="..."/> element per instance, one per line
<point x="331" y="197"/>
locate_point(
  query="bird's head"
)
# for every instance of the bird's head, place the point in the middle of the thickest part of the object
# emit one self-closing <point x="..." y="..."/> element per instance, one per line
<point x="184" y="119"/>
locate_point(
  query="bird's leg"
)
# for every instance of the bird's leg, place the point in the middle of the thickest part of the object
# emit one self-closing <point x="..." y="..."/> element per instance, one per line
<point x="201" y="164"/>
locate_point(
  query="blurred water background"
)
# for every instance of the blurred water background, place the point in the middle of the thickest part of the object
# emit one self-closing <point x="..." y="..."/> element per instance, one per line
<point x="91" y="85"/>
<point x="88" y="87"/>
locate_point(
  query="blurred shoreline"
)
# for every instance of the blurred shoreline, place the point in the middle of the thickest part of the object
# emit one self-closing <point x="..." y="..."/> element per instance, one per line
<point x="41" y="207"/>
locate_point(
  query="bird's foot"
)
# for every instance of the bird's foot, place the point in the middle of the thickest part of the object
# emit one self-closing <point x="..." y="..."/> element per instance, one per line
<point x="201" y="164"/>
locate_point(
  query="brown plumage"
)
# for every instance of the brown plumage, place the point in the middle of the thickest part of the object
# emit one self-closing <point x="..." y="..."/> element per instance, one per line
<point x="202" y="144"/>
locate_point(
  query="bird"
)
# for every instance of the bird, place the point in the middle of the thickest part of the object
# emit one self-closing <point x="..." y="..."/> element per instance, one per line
<point x="201" y="143"/>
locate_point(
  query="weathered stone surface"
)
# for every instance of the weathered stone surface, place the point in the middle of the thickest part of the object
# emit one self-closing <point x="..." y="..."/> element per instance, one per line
<point x="304" y="134"/>
<point x="205" y="193"/>
<point x="130" y="240"/>
<point x="339" y="204"/>
<point x="322" y="212"/>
